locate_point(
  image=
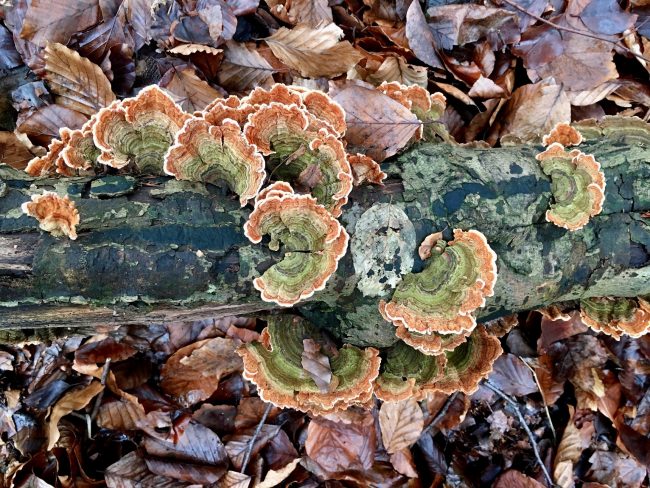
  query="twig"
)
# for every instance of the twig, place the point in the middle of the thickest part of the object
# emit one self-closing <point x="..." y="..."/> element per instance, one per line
<point x="251" y="442"/>
<point x="541" y="392"/>
<point x="522" y="421"/>
<point x="98" y="401"/>
<point x="574" y="31"/>
<point x="441" y="413"/>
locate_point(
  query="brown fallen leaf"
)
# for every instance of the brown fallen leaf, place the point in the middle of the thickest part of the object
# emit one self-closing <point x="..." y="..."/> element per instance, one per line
<point x="395" y="68"/>
<point x="403" y="463"/>
<point x="317" y="365"/>
<point x="234" y="479"/>
<point x="309" y="12"/>
<point x="43" y="124"/>
<point x="237" y="445"/>
<point x="120" y="415"/>
<point x="192" y="473"/>
<point x="574" y="441"/>
<point x="401" y="424"/>
<point x="56" y="20"/>
<point x="98" y="351"/>
<point x="420" y="38"/>
<point x="515" y="479"/>
<point x="132" y="471"/>
<point x="276" y="476"/>
<point x="314" y="52"/>
<point x="244" y="68"/>
<point x="512" y="376"/>
<point x="616" y="469"/>
<point x="71" y="401"/>
<point x="191" y="92"/>
<point x="533" y="110"/>
<point x="195" y="444"/>
<point x="376" y="123"/>
<point x="12" y="151"/>
<point x="192" y="373"/>
<point x="337" y="446"/>
<point x="76" y="82"/>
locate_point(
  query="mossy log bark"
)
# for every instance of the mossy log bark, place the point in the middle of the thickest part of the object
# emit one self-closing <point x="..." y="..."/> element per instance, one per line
<point x="154" y="249"/>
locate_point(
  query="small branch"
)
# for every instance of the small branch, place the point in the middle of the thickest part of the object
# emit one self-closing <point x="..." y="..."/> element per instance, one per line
<point x="541" y="392"/>
<point x="441" y="413"/>
<point x="574" y="31"/>
<point x="98" y="400"/>
<point x="251" y="442"/>
<point x="522" y="421"/>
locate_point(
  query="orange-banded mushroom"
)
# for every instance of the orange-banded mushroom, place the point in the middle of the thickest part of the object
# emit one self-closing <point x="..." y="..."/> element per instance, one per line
<point x="442" y="298"/>
<point x="430" y="344"/>
<point x="209" y="153"/>
<point x="563" y="134"/>
<point x="365" y="169"/>
<point x="138" y="130"/>
<point x="275" y="365"/>
<point x="50" y="163"/>
<point x="313" y="162"/>
<point x="57" y="215"/>
<point x="230" y="108"/>
<point x="577" y="185"/>
<point x="616" y="316"/>
<point x="313" y="243"/>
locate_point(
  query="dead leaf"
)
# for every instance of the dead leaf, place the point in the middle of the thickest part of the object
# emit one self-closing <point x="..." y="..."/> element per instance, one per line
<point x="486" y="88"/>
<point x="9" y="57"/>
<point x="515" y="479"/>
<point x="56" y="20"/>
<point x="616" y="469"/>
<point x="401" y="424"/>
<point x="512" y="376"/>
<point x="71" y="401"/>
<point x="191" y="92"/>
<point x="557" y="330"/>
<point x="533" y="110"/>
<point x="244" y="68"/>
<point x="317" y="365"/>
<point x="197" y="474"/>
<point x="120" y="415"/>
<point x="192" y="373"/>
<point x="12" y="151"/>
<point x="43" y="124"/>
<point x="574" y="441"/>
<point x="98" y="351"/>
<point x="131" y="471"/>
<point x="312" y="13"/>
<point x="376" y="123"/>
<point x="314" y="52"/>
<point x="403" y="463"/>
<point x="234" y="479"/>
<point x="338" y="446"/>
<point x="75" y="81"/>
<point x="395" y="68"/>
<point x="421" y="40"/>
<point x="276" y="476"/>
<point x="237" y="445"/>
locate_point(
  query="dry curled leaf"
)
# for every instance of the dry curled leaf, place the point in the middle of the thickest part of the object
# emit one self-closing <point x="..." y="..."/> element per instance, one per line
<point x="71" y="401"/>
<point x="401" y="424"/>
<point x="76" y="82"/>
<point x="317" y="364"/>
<point x="234" y="479"/>
<point x="56" y="20"/>
<point x="314" y="52"/>
<point x="43" y="124"/>
<point x="395" y="68"/>
<point x="309" y="12"/>
<point x="376" y="122"/>
<point x="244" y="68"/>
<point x="191" y="92"/>
<point x="12" y="151"/>
<point x="419" y="36"/>
<point x="512" y="376"/>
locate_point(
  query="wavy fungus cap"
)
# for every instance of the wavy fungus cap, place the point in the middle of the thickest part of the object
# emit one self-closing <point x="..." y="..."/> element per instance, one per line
<point x="275" y="366"/>
<point x="313" y="243"/>
<point x="407" y="373"/>
<point x="56" y="215"/>
<point x="50" y="163"/>
<point x="138" y="130"/>
<point x="456" y="281"/>
<point x="209" y="153"/>
<point x="313" y="162"/>
<point x="616" y="316"/>
<point x="279" y="93"/>
<point x="230" y="108"/>
<point x="365" y="169"/>
<point x="577" y="185"/>
<point x="430" y="344"/>
<point x="563" y="134"/>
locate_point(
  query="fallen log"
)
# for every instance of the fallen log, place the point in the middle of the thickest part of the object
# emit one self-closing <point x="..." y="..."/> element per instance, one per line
<point x="154" y="249"/>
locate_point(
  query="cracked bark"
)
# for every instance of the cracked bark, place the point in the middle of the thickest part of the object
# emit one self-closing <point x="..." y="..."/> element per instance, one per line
<point x="154" y="249"/>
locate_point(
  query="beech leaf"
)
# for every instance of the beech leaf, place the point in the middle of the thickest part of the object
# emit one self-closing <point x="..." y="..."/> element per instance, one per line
<point x="395" y="68"/>
<point x="401" y="424"/>
<point x="12" y="151"/>
<point x="191" y="92"/>
<point x="234" y="479"/>
<point x="43" y="124"/>
<point x="314" y="52"/>
<point x="76" y="82"/>
<point x="309" y="12"/>
<point x="56" y="20"/>
<point x="512" y="376"/>
<point x="316" y="364"/>
<point x="376" y="122"/>
<point x="420" y="38"/>
<point x="244" y="68"/>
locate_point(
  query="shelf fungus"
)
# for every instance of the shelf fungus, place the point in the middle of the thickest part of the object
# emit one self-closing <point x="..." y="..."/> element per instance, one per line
<point x="275" y="365"/>
<point x="230" y="108"/>
<point x="577" y="185"/>
<point x="365" y="170"/>
<point x="563" y="134"/>
<point x="430" y="344"/>
<point x="313" y="162"/>
<point x="138" y="130"/>
<point x="313" y="242"/>
<point x="427" y="107"/>
<point x="616" y="316"/>
<point x="57" y="215"/>
<point x="407" y="372"/>
<point x="442" y="298"/>
<point x="210" y="153"/>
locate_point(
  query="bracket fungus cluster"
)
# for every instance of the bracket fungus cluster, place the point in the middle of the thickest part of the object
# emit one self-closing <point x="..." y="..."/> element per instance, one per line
<point x="617" y="316"/>
<point x="577" y="182"/>
<point x="56" y="215"/>
<point x="275" y="365"/>
<point x="313" y="240"/>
